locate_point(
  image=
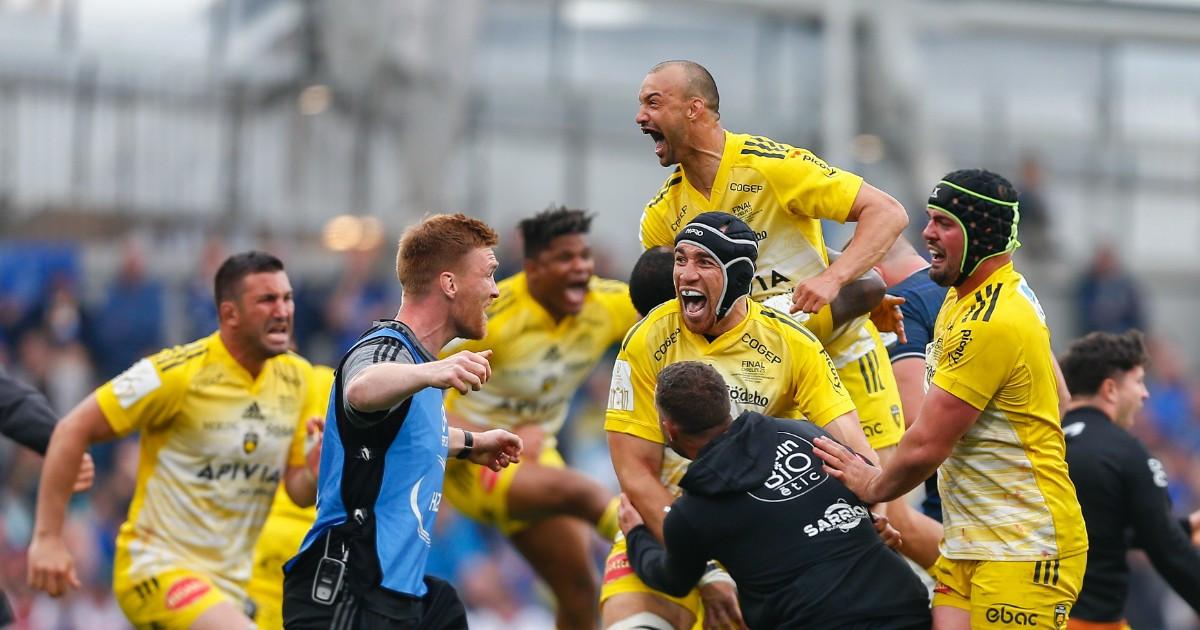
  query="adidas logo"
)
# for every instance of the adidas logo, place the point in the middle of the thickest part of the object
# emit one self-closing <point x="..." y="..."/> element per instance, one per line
<point x="552" y="354"/>
<point x="253" y="412"/>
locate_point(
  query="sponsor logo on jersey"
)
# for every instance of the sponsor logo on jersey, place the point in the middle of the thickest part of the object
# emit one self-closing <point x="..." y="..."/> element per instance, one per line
<point x="1010" y="614"/>
<point x="552" y="354"/>
<point x="679" y="217"/>
<point x="794" y="472"/>
<point x="956" y="354"/>
<point x="661" y="351"/>
<point x="768" y="281"/>
<point x="744" y="396"/>
<point x="617" y="567"/>
<point x="620" y="392"/>
<point x="239" y="471"/>
<point x="840" y="516"/>
<point x="747" y="188"/>
<point x="819" y="163"/>
<point x="758" y="346"/>
<point x="133" y="384"/>
<point x="526" y="407"/>
<point x="185" y="592"/>
<point x="1060" y="614"/>
<point x="250" y="442"/>
<point x="253" y="412"/>
<point x="1156" y="469"/>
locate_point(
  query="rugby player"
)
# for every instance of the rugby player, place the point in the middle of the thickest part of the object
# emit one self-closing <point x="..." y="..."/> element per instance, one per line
<point x="772" y="365"/>
<point x="1015" y="543"/>
<point x="222" y="424"/>
<point x="550" y="326"/>
<point x="282" y="533"/>
<point x="782" y="193"/>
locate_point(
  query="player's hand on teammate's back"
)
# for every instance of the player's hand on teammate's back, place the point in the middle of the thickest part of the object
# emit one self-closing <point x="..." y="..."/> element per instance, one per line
<point x="628" y="516"/>
<point x="465" y="371"/>
<point x="51" y="567"/>
<point x="496" y="449"/>
<point x="87" y="474"/>
<point x="721" y="609"/>
<point x="887" y="316"/>
<point x="848" y="467"/>
<point x="890" y="535"/>
<point x="815" y="293"/>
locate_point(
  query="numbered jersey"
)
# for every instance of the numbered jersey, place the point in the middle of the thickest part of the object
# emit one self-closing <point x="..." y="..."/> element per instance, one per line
<point x="771" y="365"/>
<point x="213" y="448"/>
<point x="1006" y="494"/>
<point x="537" y="363"/>
<point x="781" y="192"/>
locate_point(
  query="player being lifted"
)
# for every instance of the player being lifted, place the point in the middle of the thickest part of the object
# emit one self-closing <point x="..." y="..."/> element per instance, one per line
<point x="551" y="325"/>
<point x="222" y="423"/>
<point x="773" y="366"/>
<point x="782" y="193"/>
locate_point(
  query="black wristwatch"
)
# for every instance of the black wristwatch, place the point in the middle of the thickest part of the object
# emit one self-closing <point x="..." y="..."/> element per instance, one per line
<point x="468" y="443"/>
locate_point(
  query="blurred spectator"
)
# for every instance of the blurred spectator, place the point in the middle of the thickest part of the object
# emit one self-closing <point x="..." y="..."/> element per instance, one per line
<point x="493" y="603"/>
<point x="1108" y="298"/>
<point x="200" y="307"/>
<point x="1035" y="224"/>
<point x="130" y="322"/>
<point x="362" y="294"/>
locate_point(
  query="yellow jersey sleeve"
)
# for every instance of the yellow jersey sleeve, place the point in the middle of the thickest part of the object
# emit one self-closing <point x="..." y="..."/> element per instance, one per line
<point x="631" y="393"/>
<point x="655" y="229"/>
<point x="819" y="393"/>
<point x="808" y="187"/>
<point x="148" y="394"/>
<point x="316" y="404"/>
<point x="976" y="360"/>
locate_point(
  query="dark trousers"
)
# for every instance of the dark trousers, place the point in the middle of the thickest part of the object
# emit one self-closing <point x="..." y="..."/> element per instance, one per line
<point x="439" y="609"/>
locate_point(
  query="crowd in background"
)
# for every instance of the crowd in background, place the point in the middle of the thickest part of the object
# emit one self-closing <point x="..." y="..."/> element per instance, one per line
<point x="65" y="345"/>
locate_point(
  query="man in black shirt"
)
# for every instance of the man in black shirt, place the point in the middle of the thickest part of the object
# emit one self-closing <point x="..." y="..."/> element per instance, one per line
<point x="1121" y="487"/>
<point x="26" y="418"/>
<point x="800" y="546"/>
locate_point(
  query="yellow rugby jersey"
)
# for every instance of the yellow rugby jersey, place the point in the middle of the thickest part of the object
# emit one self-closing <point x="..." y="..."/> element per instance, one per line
<point x="1005" y="490"/>
<point x="770" y="363"/>
<point x="781" y="192"/>
<point x="537" y="363"/>
<point x="213" y="448"/>
<point x="284" y="528"/>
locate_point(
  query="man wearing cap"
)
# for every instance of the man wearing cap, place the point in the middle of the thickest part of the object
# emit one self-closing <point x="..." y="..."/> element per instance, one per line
<point x="771" y="364"/>
<point x="1015" y="545"/>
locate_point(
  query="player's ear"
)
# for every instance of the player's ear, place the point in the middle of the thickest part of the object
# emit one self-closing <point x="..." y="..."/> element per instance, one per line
<point x="449" y="285"/>
<point x="227" y="311"/>
<point x="1108" y="389"/>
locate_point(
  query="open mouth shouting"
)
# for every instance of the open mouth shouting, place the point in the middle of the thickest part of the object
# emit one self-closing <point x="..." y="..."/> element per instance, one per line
<point x="660" y="141"/>
<point x="937" y="255"/>
<point x="574" y="293"/>
<point x="693" y="302"/>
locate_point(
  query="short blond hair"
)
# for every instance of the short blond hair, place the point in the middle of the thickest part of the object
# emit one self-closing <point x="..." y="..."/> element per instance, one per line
<point x="437" y="244"/>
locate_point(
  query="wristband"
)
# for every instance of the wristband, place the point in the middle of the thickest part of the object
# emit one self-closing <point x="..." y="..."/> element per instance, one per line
<point x="468" y="443"/>
<point x="713" y="573"/>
